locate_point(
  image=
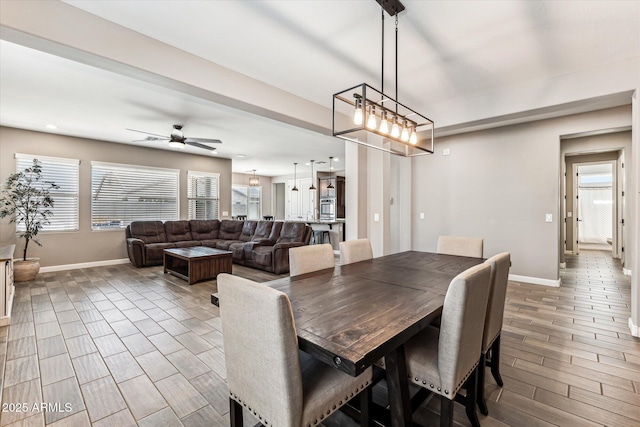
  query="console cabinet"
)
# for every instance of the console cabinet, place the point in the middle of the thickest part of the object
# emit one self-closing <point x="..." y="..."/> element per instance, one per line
<point x="7" y="288"/>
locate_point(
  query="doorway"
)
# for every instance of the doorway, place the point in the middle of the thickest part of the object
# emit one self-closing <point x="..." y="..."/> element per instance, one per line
<point x="595" y="206"/>
<point x="279" y="200"/>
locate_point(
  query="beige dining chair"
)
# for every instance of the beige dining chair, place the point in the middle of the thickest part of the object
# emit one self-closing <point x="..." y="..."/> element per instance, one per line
<point x="266" y="373"/>
<point x="355" y="251"/>
<point x="460" y="246"/>
<point x="445" y="360"/>
<point x="306" y="259"/>
<point x="490" y="354"/>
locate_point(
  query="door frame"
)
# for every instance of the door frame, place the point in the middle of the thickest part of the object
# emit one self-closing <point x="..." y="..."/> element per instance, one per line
<point x="616" y="214"/>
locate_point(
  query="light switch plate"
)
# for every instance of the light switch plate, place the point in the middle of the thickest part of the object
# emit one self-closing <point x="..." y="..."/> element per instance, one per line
<point x="421" y="215"/>
<point x="376" y="217"/>
<point x="446" y="151"/>
<point x="569" y="214"/>
<point x="225" y="213"/>
<point x="549" y="218"/>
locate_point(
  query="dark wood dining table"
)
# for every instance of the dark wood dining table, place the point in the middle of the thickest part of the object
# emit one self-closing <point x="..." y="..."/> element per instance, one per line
<point x="354" y="315"/>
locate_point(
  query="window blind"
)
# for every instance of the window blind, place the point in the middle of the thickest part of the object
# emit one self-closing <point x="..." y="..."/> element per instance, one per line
<point x="65" y="173"/>
<point x="203" y="195"/>
<point x="122" y="193"/>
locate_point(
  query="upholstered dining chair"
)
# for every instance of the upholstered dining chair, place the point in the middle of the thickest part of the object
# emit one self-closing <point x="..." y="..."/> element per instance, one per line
<point x="460" y="246"/>
<point x="266" y="373"/>
<point x="493" y="324"/>
<point x="355" y="251"/>
<point x="305" y="259"/>
<point x="445" y="360"/>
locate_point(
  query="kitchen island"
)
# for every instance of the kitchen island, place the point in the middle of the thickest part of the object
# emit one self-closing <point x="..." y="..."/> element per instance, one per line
<point x="335" y="227"/>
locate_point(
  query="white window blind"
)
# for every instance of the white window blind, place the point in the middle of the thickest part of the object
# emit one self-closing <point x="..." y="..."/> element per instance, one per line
<point x="203" y="195"/>
<point x="65" y="173"/>
<point x="121" y="194"/>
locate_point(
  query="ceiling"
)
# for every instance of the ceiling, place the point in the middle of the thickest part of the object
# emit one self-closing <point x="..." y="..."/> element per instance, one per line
<point x="448" y="52"/>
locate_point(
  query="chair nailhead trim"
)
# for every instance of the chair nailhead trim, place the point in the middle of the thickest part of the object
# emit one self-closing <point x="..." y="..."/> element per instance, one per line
<point x="446" y="392"/>
<point x="424" y="382"/>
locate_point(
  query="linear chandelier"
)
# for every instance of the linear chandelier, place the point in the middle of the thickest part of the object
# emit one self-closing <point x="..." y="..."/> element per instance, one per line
<point x="362" y="110"/>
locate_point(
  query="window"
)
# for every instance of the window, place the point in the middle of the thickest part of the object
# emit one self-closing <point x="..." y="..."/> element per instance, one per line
<point x="65" y="173"/>
<point x="246" y="201"/>
<point x="121" y="194"/>
<point x="202" y="194"/>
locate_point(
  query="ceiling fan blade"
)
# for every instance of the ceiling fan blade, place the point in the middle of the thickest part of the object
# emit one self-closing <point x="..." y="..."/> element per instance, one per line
<point x="189" y="141"/>
<point x="203" y="140"/>
<point x="148" y="133"/>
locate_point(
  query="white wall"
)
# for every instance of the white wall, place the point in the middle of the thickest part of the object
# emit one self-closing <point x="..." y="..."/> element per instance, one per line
<point x="498" y="184"/>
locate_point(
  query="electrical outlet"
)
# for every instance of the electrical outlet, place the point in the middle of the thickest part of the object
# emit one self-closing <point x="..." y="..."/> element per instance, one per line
<point x="446" y="151"/>
<point x="421" y="215"/>
<point x="569" y="214"/>
<point x="225" y="213"/>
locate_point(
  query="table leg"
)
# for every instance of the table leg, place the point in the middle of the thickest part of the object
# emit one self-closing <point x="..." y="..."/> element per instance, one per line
<point x="398" y="384"/>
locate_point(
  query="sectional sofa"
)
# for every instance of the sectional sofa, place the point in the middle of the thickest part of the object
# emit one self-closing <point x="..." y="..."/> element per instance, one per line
<point x="259" y="244"/>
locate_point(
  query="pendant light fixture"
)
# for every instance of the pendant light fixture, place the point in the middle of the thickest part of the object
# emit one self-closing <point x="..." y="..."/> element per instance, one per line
<point x="313" y="187"/>
<point x="295" y="186"/>
<point x="254" y="181"/>
<point x="377" y="113"/>
<point x="331" y="174"/>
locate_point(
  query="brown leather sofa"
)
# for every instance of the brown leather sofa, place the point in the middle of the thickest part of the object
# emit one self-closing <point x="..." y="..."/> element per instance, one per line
<point x="259" y="244"/>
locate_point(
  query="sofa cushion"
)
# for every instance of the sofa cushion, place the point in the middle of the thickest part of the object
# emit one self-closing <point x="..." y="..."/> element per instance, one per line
<point x="148" y="231"/>
<point x="292" y="232"/>
<point x="177" y="231"/>
<point x="188" y="243"/>
<point x="224" y="244"/>
<point x="238" y="250"/>
<point x="248" y="230"/>
<point x="275" y="231"/>
<point x="209" y="243"/>
<point x="230" y="230"/>
<point x="155" y="251"/>
<point x="263" y="230"/>
<point x="204" y="229"/>
<point x="262" y="255"/>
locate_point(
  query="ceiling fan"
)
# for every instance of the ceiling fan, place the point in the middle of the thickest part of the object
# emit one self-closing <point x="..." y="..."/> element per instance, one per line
<point x="178" y="140"/>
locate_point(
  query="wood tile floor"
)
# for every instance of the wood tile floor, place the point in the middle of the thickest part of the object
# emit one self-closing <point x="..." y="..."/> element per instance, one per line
<point x="120" y="346"/>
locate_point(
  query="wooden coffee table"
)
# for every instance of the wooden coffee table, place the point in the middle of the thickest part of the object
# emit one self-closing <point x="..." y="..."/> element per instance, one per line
<point x="197" y="263"/>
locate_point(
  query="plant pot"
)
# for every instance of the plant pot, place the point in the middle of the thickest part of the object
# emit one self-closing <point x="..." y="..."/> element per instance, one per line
<point x="24" y="271"/>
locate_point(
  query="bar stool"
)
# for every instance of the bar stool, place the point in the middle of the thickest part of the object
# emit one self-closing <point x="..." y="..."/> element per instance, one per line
<point x="319" y="235"/>
<point x="268" y="217"/>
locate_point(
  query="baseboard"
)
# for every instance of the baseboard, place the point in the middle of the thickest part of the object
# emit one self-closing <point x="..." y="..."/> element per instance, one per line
<point x="626" y="271"/>
<point x="83" y="265"/>
<point x="534" y="280"/>
<point x="635" y="331"/>
<point x="563" y="265"/>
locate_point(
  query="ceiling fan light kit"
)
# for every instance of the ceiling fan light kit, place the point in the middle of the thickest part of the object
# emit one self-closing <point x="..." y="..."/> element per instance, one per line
<point x="362" y="110"/>
<point x="177" y="139"/>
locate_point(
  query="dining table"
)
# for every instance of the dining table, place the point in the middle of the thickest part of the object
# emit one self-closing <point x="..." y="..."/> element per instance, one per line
<point x="354" y="315"/>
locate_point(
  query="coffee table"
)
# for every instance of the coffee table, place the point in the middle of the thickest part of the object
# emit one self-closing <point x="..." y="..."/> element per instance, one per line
<point x="197" y="263"/>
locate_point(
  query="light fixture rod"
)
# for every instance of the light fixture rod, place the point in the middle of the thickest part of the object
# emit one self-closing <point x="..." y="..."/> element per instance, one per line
<point x="382" y="78"/>
<point x="396" y="63"/>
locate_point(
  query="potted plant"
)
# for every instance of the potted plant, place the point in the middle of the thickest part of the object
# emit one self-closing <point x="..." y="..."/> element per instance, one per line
<point x="27" y="200"/>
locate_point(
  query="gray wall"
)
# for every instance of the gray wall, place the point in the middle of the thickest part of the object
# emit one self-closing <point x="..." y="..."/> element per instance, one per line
<point x="498" y="184"/>
<point x="86" y="245"/>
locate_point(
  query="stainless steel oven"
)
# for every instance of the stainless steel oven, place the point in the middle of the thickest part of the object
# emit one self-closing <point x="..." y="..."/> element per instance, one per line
<point x="328" y="209"/>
